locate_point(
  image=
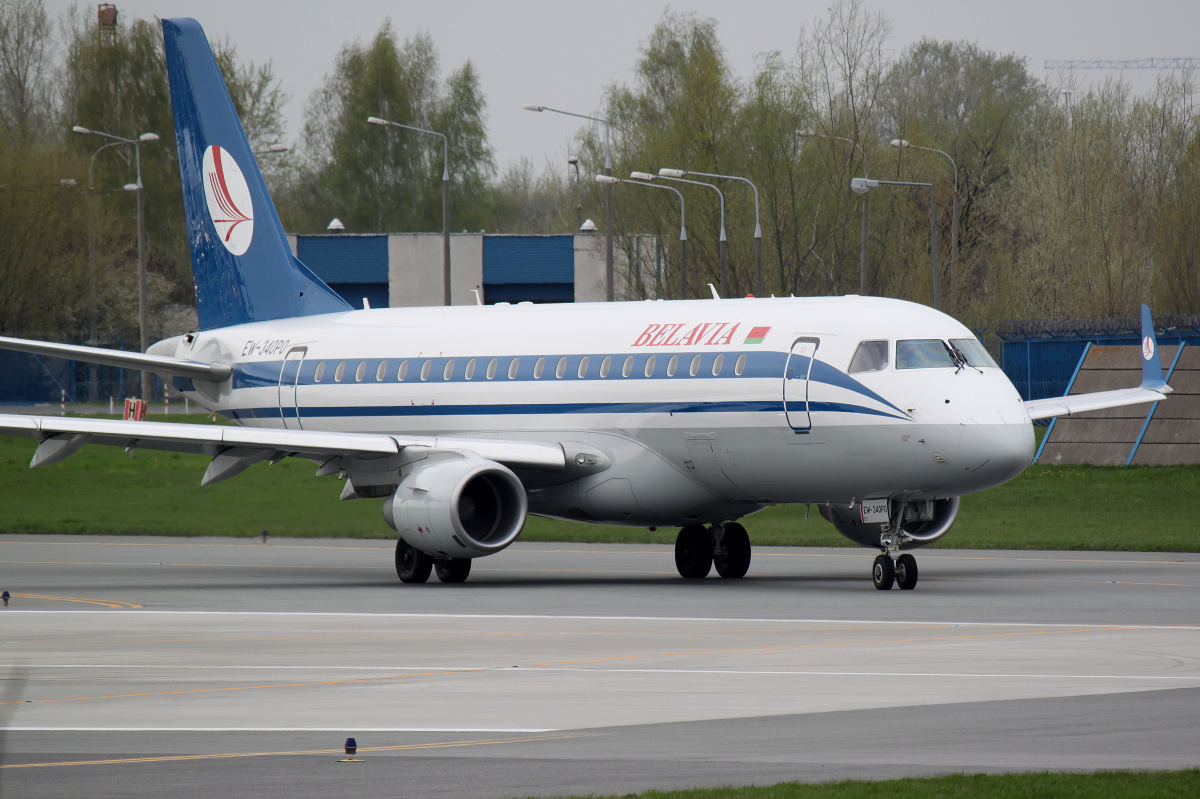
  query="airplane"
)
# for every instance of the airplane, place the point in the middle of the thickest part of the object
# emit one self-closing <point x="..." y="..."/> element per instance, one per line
<point x="464" y="420"/>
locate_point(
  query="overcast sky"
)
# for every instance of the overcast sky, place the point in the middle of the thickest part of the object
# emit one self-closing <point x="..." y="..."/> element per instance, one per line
<point x="563" y="53"/>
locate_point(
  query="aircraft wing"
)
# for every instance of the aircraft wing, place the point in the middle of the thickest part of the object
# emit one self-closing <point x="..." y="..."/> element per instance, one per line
<point x="233" y="449"/>
<point x="1078" y="403"/>
<point x="1152" y="389"/>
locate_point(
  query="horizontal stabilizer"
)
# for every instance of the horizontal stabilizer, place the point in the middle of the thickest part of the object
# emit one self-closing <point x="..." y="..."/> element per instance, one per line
<point x="212" y="372"/>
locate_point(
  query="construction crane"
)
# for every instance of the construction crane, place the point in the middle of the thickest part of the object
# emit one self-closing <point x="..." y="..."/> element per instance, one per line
<point x="1137" y="63"/>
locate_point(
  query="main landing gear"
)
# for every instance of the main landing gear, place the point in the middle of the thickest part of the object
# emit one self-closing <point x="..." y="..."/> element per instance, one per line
<point x="414" y="566"/>
<point x="699" y="548"/>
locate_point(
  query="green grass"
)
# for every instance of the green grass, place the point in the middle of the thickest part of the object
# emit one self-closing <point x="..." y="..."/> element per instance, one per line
<point x="104" y="490"/>
<point x="1114" y="784"/>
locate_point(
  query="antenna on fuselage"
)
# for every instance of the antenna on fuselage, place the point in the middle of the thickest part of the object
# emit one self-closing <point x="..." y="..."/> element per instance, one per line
<point x="713" y="289"/>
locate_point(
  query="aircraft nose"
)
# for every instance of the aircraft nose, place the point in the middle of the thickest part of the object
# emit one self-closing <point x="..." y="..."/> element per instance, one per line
<point x="995" y="449"/>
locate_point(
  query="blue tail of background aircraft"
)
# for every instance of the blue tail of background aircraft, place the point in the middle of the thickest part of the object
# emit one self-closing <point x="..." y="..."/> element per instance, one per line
<point x="242" y="263"/>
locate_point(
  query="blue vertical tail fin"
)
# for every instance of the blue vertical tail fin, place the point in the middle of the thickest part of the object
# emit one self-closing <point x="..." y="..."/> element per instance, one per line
<point x="1152" y="371"/>
<point x="243" y="266"/>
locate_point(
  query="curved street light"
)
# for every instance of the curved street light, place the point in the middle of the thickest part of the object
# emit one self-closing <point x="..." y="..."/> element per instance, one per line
<point x="758" y="278"/>
<point x="445" y="197"/>
<point x="143" y="309"/>
<point x="610" y="293"/>
<point x="610" y="181"/>
<point x="904" y="144"/>
<point x="862" y="266"/>
<point x="646" y="177"/>
<point x="863" y="185"/>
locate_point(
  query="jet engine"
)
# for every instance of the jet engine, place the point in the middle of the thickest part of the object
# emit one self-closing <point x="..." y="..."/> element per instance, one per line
<point x="458" y="508"/>
<point x="921" y="521"/>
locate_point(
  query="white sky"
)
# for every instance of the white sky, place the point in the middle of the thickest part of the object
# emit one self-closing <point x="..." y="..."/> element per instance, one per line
<point x="563" y="53"/>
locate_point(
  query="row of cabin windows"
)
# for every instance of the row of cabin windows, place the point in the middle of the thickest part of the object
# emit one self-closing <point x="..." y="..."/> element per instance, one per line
<point x="921" y="353"/>
<point x="539" y="368"/>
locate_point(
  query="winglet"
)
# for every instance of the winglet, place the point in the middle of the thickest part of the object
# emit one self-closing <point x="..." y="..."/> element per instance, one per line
<point x="1152" y="372"/>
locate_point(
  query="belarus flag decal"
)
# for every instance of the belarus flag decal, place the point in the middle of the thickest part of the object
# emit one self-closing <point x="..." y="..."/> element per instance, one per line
<point x="757" y="334"/>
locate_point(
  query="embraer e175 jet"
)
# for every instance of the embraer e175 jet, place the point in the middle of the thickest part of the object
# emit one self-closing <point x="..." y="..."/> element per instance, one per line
<point x="464" y="420"/>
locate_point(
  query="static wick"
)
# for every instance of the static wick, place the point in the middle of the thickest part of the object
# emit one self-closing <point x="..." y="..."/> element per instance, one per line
<point x="351" y="751"/>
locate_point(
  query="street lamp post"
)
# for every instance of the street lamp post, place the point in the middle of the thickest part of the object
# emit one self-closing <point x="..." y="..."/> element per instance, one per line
<point x="143" y="302"/>
<point x="863" y="272"/>
<point x="863" y="185"/>
<point x="647" y="177"/>
<point x="445" y="197"/>
<point x="901" y="143"/>
<point x="758" y="278"/>
<point x="610" y="291"/>
<point x="572" y="161"/>
<point x="609" y="180"/>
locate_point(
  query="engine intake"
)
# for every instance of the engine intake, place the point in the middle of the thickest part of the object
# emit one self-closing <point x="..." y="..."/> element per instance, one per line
<point x="924" y="521"/>
<point x="459" y="508"/>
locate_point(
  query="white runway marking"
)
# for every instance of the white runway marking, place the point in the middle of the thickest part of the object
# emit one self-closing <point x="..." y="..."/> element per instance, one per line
<point x="672" y="619"/>
<point x="341" y="730"/>
<point x="733" y="672"/>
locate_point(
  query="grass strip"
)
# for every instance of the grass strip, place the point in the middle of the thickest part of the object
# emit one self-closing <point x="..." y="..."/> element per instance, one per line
<point x="1101" y="785"/>
<point x="103" y="490"/>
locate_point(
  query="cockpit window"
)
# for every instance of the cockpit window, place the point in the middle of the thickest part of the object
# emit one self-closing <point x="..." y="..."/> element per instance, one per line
<point x="923" y="353"/>
<point x="871" y="356"/>
<point x="975" y="352"/>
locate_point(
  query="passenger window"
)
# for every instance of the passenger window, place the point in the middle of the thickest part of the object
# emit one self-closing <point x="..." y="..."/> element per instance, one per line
<point x="871" y="356"/>
<point x="650" y="365"/>
<point x="561" y="369"/>
<point x="583" y="365"/>
<point x="672" y="365"/>
<point x="320" y="373"/>
<point x="425" y="367"/>
<point x="512" y="367"/>
<point x="627" y="367"/>
<point x="718" y="364"/>
<point x="381" y="371"/>
<point x="470" y="369"/>
<point x="538" y="368"/>
<point x="491" y="370"/>
<point x="694" y="369"/>
<point x="740" y="366"/>
<point x="923" y="353"/>
<point x="360" y="371"/>
<point x="449" y="371"/>
<point x="402" y="371"/>
<point x="339" y="372"/>
<point x="605" y="365"/>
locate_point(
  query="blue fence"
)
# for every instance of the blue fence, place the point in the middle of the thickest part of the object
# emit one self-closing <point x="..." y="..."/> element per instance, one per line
<point x="1039" y="356"/>
<point x="35" y="379"/>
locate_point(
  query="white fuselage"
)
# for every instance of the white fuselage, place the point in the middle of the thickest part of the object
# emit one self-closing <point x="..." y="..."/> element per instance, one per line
<point x="708" y="409"/>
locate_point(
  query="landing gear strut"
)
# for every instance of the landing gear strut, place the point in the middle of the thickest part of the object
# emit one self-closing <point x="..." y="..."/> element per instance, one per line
<point x="698" y="549"/>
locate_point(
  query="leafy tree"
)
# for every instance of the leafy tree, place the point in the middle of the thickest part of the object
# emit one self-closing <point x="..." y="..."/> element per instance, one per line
<point x="25" y="62"/>
<point x="388" y="179"/>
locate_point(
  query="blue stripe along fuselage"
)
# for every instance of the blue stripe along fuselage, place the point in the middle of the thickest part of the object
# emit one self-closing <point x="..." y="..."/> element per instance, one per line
<point x="768" y="364"/>
<point x="539" y="409"/>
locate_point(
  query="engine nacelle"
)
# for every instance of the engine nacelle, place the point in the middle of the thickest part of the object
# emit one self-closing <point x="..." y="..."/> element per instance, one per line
<point x="924" y="521"/>
<point x="458" y="508"/>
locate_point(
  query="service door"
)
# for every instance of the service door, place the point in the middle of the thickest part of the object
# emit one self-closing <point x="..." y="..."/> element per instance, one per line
<point x="795" y="383"/>
<point x="289" y="378"/>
